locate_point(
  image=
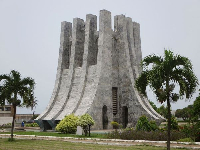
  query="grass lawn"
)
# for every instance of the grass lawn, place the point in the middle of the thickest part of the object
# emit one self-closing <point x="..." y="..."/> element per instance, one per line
<point x="92" y="135"/>
<point x="59" y="145"/>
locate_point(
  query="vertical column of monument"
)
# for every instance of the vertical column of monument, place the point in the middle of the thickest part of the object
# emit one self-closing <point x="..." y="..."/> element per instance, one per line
<point x="135" y="65"/>
<point x="124" y="79"/>
<point x="90" y="52"/>
<point x="115" y="74"/>
<point x="132" y="51"/>
<point x="137" y="44"/>
<point x="91" y="44"/>
<point x="76" y="60"/>
<point x="79" y="42"/>
<point x="63" y="63"/>
<point x="104" y="73"/>
<point x="131" y="103"/>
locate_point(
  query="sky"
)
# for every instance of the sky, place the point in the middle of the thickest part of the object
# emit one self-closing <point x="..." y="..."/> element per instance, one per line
<point x="30" y="35"/>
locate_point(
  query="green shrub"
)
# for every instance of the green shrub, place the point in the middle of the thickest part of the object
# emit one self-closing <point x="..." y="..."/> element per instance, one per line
<point x="143" y="124"/>
<point x="174" y="123"/>
<point x="115" y="125"/>
<point x="185" y="140"/>
<point x="32" y="125"/>
<point x="157" y="135"/>
<point x="85" y="121"/>
<point x="68" y="124"/>
<point x="191" y="131"/>
<point x="153" y="125"/>
<point x="8" y="125"/>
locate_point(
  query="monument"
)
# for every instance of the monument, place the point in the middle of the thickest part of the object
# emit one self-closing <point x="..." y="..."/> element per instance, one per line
<point x="96" y="73"/>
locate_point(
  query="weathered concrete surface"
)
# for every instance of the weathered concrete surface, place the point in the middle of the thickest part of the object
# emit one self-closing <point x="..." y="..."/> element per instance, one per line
<point x="97" y="72"/>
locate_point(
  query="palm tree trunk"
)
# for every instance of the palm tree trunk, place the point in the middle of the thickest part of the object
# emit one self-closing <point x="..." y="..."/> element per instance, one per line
<point x="13" y="122"/>
<point x="169" y="125"/>
<point x="168" y="115"/>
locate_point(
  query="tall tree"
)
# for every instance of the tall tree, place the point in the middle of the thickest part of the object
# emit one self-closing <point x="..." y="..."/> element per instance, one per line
<point x="162" y="74"/>
<point x="196" y="108"/>
<point x="17" y="92"/>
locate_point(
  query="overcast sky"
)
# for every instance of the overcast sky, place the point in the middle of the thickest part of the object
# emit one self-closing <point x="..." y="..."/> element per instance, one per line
<point x="30" y="34"/>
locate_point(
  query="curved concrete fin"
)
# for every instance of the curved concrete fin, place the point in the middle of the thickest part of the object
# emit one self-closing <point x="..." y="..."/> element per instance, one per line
<point x="78" y="85"/>
<point x="76" y="52"/>
<point x="63" y="63"/>
<point x="135" y="52"/>
<point x="125" y="65"/>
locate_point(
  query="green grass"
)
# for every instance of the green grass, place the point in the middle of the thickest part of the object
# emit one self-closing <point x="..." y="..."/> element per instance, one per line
<point x="57" y="145"/>
<point x="93" y="135"/>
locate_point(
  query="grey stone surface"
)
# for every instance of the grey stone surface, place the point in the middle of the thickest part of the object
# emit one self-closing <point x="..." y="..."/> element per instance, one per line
<point x="79" y="130"/>
<point x="91" y="64"/>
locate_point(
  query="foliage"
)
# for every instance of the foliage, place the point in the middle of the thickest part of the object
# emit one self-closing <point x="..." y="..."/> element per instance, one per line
<point x="31" y="125"/>
<point x="192" y="131"/>
<point x="162" y="110"/>
<point x="196" y="108"/>
<point x="143" y="124"/>
<point x="185" y="140"/>
<point x="68" y="124"/>
<point x="16" y="91"/>
<point x="8" y="125"/>
<point x="162" y="74"/>
<point x="115" y="125"/>
<point x="157" y="135"/>
<point x="153" y="125"/>
<point x="34" y="117"/>
<point x="85" y="121"/>
<point x="174" y="123"/>
<point x="153" y="106"/>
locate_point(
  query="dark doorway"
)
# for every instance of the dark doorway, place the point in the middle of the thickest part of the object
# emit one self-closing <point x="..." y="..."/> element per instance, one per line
<point x="125" y="116"/>
<point x="47" y="126"/>
<point x="105" y="117"/>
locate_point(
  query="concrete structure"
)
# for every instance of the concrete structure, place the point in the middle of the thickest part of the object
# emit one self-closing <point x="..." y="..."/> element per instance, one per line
<point x="6" y="111"/>
<point x="96" y="73"/>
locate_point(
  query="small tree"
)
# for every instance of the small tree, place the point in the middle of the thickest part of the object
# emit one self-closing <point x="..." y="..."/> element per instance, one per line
<point x="16" y="91"/>
<point x="85" y="121"/>
<point x="68" y="124"/>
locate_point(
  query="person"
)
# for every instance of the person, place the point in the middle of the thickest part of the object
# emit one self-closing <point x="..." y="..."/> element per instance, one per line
<point x="22" y="125"/>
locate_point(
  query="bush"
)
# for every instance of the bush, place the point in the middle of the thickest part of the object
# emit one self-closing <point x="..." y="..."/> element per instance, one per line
<point x="143" y="124"/>
<point x="174" y="124"/>
<point x="185" y="140"/>
<point x="115" y="125"/>
<point x="68" y="124"/>
<point x="192" y="131"/>
<point x="158" y="135"/>
<point x="84" y="121"/>
<point x="153" y="125"/>
<point x="8" y="125"/>
<point x="32" y="125"/>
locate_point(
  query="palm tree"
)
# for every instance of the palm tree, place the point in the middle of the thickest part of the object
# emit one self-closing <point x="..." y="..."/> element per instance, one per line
<point x="162" y="74"/>
<point x="16" y="91"/>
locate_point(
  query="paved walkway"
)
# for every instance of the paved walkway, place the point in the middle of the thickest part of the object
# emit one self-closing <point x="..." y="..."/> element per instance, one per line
<point x="119" y="142"/>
